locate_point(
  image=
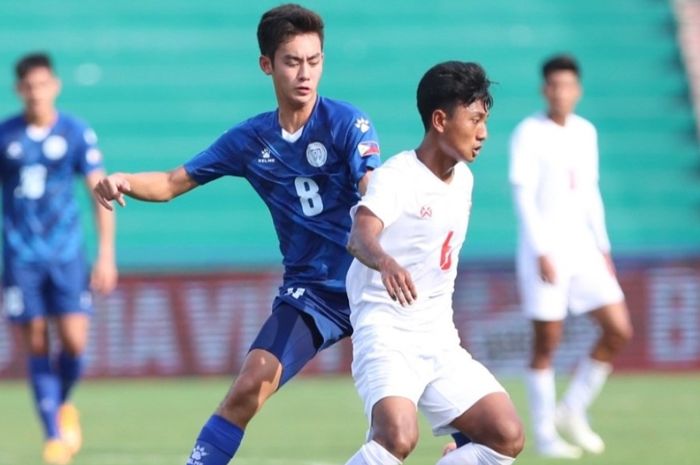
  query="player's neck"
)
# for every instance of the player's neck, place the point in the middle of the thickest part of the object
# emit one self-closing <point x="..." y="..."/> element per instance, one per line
<point x="291" y="118"/>
<point x="559" y="119"/>
<point x="441" y="166"/>
<point x="41" y="119"/>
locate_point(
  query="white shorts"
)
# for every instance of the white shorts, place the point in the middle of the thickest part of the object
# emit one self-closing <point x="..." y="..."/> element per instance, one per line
<point x="443" y="380"/>
<point x="583" y="283"/>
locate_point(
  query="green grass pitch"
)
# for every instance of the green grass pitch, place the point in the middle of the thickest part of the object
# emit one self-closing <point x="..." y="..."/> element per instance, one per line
<point x="645" y="419"/>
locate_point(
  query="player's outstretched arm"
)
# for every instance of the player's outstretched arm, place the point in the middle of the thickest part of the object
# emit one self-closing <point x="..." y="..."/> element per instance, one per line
<point x="103" y="278"/>
<point x="364" y="245"/>
<point x="155" y="186"/>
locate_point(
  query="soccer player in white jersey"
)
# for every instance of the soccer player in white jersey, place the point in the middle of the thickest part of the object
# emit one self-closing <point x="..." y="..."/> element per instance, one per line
<point x="46" y="277"/>
<point x="563" y="260"/>
<point x="406" y="236"/>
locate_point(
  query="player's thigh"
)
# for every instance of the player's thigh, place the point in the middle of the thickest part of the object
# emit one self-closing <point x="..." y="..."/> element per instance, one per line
<point x="540" y="300"/>
<point x="24" y="291"/>
<point x="291" y="336"/>
<point x="459" y="383"/>
<point x="593" y="286"/>
<point x="68" y="288"/>
<point x="385" y="366"/>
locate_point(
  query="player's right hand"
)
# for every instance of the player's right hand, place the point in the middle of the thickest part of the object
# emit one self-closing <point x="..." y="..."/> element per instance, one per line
<point x="548" y="272"/>
<point x="398" y="283"/>
<point x="111" y="188"/>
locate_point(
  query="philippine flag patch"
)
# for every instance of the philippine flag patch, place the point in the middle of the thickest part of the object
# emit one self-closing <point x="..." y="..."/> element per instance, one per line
<point x="367" y="148"/>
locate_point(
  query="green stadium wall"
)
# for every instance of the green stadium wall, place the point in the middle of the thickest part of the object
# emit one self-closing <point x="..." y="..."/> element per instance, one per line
<point x="160" y="80"/>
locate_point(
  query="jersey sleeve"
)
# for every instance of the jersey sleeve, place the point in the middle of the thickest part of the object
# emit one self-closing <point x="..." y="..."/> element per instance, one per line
<point x="383" y="196"/>
<point x="223" y="157"/>
<point x="88" y="156"/>
<point x="362" y="146"/>
<point x="524" y="177"/>
<point x="595" y="209"/>
<point x="523" y="170"/>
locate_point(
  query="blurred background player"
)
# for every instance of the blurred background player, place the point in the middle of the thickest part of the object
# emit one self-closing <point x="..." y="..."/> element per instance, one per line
<point x="45" y="274"/>
<point x="564" y="259"/>
<point x="309" y="161"/>
<point x="407" y="233"/>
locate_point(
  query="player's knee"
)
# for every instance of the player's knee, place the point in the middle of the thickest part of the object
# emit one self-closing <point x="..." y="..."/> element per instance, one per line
<point x="619" y="336"/>
<point x="507" y="437"/>
<point x="400" y="442"/>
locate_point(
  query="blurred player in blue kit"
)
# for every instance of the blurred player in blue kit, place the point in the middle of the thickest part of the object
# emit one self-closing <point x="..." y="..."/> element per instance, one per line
<point x="45" y="273"/>
<point x="309" y="160"/>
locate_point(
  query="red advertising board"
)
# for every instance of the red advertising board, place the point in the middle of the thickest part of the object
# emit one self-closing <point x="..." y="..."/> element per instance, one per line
<point x="202" y="324"/>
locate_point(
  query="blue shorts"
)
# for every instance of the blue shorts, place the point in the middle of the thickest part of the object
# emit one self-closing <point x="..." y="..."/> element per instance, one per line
<point x="303" y="322"/>
<point x="36" y="290"/>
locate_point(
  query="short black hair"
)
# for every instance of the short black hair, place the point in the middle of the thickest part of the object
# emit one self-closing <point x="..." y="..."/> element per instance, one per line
<point x="561" y="62"/>
<point x="280" y="23"/>
<point x="449" y="84"/>
<point x="31" y="61"/>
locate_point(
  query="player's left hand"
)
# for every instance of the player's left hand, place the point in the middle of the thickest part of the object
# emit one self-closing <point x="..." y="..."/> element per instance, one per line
<point x="104" y="276"/>
<point x="449" y="447"/>
<point x="610" y="263"/>
<point x="397" y="281"/>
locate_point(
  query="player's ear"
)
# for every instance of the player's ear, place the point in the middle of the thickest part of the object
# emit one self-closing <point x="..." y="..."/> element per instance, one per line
<point x="265" y="64"/>
<point x="438" y="119"/>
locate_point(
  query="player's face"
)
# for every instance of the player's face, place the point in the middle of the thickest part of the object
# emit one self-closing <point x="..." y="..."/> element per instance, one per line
<point x="463" y="133"/>
<point x="562" y="90"/>
<point x="296" y="70"/>
<point x="38" y="90"/>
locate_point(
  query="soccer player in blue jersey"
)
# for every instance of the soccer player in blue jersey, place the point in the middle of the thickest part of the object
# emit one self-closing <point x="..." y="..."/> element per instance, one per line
<point x="309" y="160"/>
<point x="45" y="273"/>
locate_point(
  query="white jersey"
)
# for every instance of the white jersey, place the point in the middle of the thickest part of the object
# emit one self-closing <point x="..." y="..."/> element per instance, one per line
<point x="425" y="223"/>
<point x="554" y="173"/>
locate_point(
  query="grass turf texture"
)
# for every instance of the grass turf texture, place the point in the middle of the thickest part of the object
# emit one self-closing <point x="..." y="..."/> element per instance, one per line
<point x="645" y="419"/>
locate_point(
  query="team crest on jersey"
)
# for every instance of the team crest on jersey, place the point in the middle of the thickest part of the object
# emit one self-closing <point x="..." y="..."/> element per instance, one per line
<point x="362" y="124"/>
<point x="426" y="212"/>
<point x="316" y="154"/>
<point x="14" y="150"/>
<point x="55" y="147"/>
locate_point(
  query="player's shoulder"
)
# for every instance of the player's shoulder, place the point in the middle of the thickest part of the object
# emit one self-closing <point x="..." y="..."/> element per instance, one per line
<point x="72" y="121"/>
<point x="535" y="121"/>
<point x="341" y="112"/>
<point x="401" y="165"/>
<point x="252" y="127"/>
<point x="581" y="123"/>
<point x="12" y="122"/>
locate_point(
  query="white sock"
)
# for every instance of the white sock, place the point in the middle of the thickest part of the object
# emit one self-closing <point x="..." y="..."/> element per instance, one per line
<point x="475" y="454"/>
<point x="371" y="453"/>
<point x="588" y="380"/>
<point x="542" y="397"/>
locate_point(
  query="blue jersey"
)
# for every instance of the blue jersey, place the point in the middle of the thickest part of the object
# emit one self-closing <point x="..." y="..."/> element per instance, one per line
<point x="308" y="184"/>
<point x="37" y="168"/>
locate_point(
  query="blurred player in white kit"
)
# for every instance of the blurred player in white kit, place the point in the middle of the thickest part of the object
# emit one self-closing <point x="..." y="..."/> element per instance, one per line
<point x="563" y="260"/>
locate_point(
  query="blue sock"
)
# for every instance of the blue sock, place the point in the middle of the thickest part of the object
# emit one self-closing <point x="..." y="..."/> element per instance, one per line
<point x="461" y="439"/>
<point x="47" y="393"/>
<point x="70" y="367"/>
<point x="217" y="442"/>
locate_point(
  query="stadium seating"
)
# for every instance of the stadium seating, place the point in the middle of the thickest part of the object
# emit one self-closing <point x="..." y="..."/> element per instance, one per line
<point x="160" y="80"/>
